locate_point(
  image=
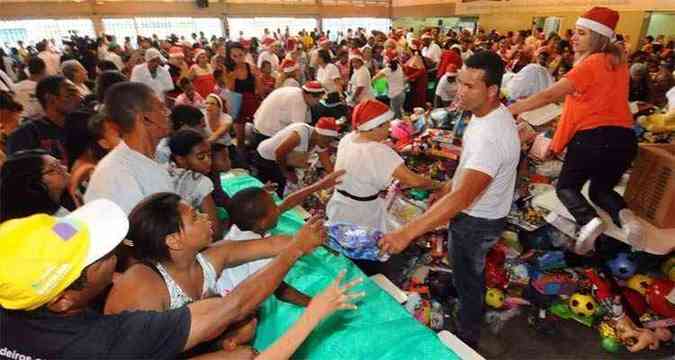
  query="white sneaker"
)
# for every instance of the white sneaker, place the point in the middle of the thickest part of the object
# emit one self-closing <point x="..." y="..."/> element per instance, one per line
<point x="587" y="236"/>
<point x="632" y="227"/>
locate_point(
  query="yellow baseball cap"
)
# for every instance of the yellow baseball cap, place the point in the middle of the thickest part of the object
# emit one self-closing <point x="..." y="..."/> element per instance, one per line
<point x="41" y="255"/>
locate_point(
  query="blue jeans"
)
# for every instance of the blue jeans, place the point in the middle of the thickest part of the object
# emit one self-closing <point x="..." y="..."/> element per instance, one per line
<point x="469" y="240"/>
<point x="396" y="105"/>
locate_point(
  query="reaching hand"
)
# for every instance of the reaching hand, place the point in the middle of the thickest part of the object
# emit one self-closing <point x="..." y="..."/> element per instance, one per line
<point x="331" y="180"/>
<point x="334" y="297"/>
<point x="394" y="243"/>
<point x="311" y="235"/>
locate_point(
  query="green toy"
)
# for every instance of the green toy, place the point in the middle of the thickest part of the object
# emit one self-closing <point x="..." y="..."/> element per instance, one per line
<point x="610" y="344"/>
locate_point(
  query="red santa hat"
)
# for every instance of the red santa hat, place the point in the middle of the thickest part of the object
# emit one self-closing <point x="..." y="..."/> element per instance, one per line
<point x="245" y="43"/>
<point x="390" y="54"/>
<point x="288" y="66"/>
<point x="356" y="54"/>
<point x="198" y="53"/>
<point x="268" y="42"/>
<point x="451" y="70"/>
<point x="602" y="20"/>
<point x="327" y="126"/>
<point x="291" y="44"/>
<point x="324" y="41"/>
<point x="313" y="87"/>
<point x="370" y="114"/>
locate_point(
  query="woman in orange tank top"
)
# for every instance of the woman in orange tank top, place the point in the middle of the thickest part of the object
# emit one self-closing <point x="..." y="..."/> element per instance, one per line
<point x="595" y="127"/>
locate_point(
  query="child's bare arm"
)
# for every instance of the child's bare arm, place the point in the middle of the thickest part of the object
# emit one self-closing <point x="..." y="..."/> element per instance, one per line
<point x="297" y="197"/>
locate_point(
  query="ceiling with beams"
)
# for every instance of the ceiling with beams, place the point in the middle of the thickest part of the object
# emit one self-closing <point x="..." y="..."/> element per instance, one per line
<point x="290" y="2"/>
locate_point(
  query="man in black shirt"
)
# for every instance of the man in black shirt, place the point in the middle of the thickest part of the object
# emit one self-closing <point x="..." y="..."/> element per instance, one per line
<point x="58" y="97"/>
<point x="52" y="269"/>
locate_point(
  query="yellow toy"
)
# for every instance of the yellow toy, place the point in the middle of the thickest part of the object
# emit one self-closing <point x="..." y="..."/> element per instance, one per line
<point x="640" y="283"/>
<point x="583" y="305"/>
<point x="658" y="123"/>
<point x="494" y="298"/>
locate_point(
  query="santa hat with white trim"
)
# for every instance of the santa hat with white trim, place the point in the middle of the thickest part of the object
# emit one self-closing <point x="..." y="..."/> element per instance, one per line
<point x="327" y="126"/>
<point x="313" y="87"/>
<point x="269" y="42"/>
<point x="324" y="41"/>
<point x="602" y="20"/>
<point x="289" y="65"/>
<point x="370" y="114"/>
<point x="356" y="54"/>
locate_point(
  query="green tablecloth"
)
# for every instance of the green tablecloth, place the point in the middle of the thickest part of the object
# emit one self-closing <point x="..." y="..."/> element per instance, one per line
<point x="379" y="329"/>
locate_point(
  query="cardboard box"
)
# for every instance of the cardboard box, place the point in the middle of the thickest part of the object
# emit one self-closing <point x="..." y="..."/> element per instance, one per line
<point x="651" y="187"/>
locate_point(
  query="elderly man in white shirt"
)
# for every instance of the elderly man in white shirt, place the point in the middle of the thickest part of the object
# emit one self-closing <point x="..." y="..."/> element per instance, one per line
<point x="152" y="74"/>
<point x="128" y="173"/>
<point x="51" y="59"/>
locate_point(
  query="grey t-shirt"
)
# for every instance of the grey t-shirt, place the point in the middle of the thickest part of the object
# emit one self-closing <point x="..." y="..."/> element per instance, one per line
<point x="126" y="177"/>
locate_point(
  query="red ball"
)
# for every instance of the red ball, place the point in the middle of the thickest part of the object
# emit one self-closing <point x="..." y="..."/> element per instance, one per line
<point x="656" y="297"/>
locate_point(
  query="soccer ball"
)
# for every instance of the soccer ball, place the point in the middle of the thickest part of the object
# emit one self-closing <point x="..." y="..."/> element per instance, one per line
<point x="494" y="298"/>
<point x="583" y="305"/>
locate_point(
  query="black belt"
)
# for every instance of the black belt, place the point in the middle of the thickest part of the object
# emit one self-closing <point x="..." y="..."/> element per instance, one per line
<point x="358" y="198"/>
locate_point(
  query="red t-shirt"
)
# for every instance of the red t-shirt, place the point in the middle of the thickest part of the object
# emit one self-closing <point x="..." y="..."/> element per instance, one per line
<point x="600" y="99"/>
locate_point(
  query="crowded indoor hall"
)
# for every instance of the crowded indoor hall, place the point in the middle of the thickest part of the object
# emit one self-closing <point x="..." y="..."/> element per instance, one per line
<point x="337" y="179"/>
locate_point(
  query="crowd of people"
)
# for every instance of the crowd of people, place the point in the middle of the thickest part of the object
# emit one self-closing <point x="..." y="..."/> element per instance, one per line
<point x="112" y="154"/>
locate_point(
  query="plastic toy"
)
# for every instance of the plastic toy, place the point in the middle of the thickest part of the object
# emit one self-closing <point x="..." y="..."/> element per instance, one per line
<point x="551" y="260"/>
<point x="640" y="283"/>
<point x="401" y="130"/>
<point x="584" y="305"/>
<point x="635" y="338"/>
<point x="555" y="284"/>
<point x="634" y="300"/>
<point x="668" y="268"/>
<point x="563" y="311"/>
<point x="656" y="297"/>
<point x="495" y="275"/>
<point x="494" y="298"/>
<point x="607" y="330"/>
<point x="622" y="266"/>
<point x="611" y="344"/>
<point x="519" y="274"/>
<point x="601" y="289"/>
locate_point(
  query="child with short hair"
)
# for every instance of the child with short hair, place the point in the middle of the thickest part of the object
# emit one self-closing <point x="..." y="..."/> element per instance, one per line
<point x="190" y="170"/>
<point x="189" y="96"/>
<point x="254" y="213"/>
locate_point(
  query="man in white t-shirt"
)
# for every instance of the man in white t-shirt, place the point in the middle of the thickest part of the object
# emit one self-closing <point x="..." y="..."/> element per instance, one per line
<point x="153" y="74"/>
<point x="431" y="50"/>
<point x="285" y="106"/>
<point x="479" y="198"/>
<point x="128" y="173"/>
<point x="447" y="87"/>
<point x="292" y="147"/>
<point x="359" y="84"/>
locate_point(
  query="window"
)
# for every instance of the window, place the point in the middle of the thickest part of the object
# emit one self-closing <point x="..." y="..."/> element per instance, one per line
<point x="336" y="25"/>
<point x="255" y="27"/>
<point x="34" y="31"/>
<point x="163" y="27"/>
